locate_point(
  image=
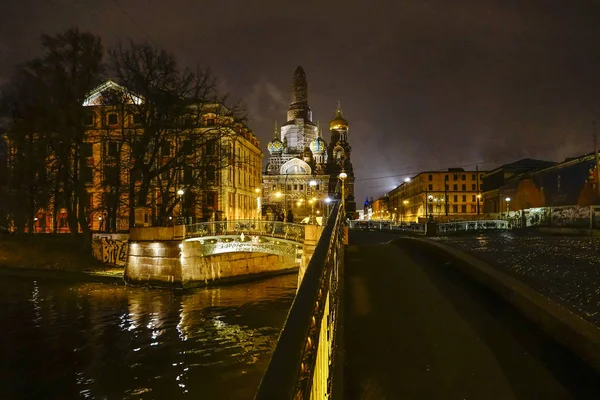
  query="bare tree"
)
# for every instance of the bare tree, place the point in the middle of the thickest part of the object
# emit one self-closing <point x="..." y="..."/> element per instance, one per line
<point x="182" y="133"/>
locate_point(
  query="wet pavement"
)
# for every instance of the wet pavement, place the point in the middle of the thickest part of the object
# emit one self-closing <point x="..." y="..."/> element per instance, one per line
<point x="417" y="328"/>
<point x="566" y="269"/>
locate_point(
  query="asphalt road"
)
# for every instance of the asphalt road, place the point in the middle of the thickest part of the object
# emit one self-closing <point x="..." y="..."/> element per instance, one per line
<point x="417" y="328"/>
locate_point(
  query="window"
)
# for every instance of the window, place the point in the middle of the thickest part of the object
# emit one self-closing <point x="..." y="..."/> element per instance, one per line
<point x="473" y="208"/>
<point x="464" y="198"/>
<point x="210" y="122"/>
<point x="318" y="187"/>
<point x="137" y="119"/>
<point x="463" y="208"/>
<point x="111" y="148"/>
<point x="464" y="187"/>
<point x="430" y="186"/>
<point x="87" y="174"/>
<point x="187" y="174"/>
<point x="473" y="177"/>
<point x="455" y="186"/>
<point x="186" y="147"/>
<point x="446" y="177"/>
<point x="295" y="186"/>
<point x="165" y="148"/>
<point x="464" y="177"/>
<point x="88" y="119"/>
<point x="455" y="208"/>
<point x="473" y="198"/>
<point x="111" y="175"/>
<point x="301" y="187"/>
<point x="136" y="175"/>
<point x="86" y="150"/>
<point x="274" y="187"/>
<point x="456" y="198"/>
<point x="210" y="147"/>
<point x="447" y="187"/>
<point x="210" y="199"/>
<point x="474" y="187"/>
<point x="455" y="177"/>
<point x="211" y="173"/>
<point x="112" y="119"/>
<point x="430" y="177"/>
<point x="289" y="188"/>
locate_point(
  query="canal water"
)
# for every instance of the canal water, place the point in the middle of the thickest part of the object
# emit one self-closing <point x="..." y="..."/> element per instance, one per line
<point x="73" y="340"/>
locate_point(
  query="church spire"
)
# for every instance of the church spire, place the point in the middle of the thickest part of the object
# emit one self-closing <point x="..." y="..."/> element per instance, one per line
<point x="299" y="106"/>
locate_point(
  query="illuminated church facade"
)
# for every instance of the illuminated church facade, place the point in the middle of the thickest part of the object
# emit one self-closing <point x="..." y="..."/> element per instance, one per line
<point x="302" y="170"/>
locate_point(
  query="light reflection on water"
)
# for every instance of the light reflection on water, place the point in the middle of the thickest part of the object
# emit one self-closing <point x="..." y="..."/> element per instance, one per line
<point x="65" y="340"/>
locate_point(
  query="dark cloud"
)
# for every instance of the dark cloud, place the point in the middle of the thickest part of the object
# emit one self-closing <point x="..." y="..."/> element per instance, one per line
<point x="425" y="84"/>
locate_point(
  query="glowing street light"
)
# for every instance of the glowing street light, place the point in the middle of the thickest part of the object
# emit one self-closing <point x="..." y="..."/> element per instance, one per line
<point x="180" y="193"/>
<point x="406" y="179"/>
<point x="507" y="203"/>
<point x="343" y="177"/>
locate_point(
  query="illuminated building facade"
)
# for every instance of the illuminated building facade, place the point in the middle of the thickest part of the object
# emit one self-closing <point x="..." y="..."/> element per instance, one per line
<point x="441" y="195"/>
<point x="217" y="172"/>
<point x="302" y="171"/>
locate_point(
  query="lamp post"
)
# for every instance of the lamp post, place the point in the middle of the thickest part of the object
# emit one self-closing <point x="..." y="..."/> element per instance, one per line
<point x="343" y="177"/>
<point x="507" y="204"/>
<point x="478" y="198"/>
<point x="278" y="196"/>
<point x="430" y="208"/>
<point x="180" y="193"/>
<point x="327" y="201"/>
<point x="312" y="210"/>
<point x="258" y="205"/>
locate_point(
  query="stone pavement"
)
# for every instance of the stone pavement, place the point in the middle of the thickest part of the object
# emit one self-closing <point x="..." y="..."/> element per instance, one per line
<point x="416" y="328"/>
<point x="566" y="269"/>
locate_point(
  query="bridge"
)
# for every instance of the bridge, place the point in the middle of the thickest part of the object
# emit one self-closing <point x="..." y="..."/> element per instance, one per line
<point x="394" y="315"/>
<point x="212" y="252"/>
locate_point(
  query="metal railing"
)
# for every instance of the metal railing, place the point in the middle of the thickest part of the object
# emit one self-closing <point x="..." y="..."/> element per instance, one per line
<point x="464" y="226"/>
<point x="387" y="226"/>
<point x="305" y="363"/>
<point x="283" y="230"/>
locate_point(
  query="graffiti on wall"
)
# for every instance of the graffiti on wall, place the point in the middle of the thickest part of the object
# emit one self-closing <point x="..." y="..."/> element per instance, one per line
<point x="114" y="251"/>
<point x="111" y="248"/>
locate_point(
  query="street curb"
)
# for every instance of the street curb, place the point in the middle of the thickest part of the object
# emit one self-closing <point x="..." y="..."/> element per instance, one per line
<point x="579" y="335"/>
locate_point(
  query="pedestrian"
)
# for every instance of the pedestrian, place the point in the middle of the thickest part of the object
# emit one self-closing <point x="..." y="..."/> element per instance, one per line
<point x="290" y="216"/>
<point x="281" y="218"/>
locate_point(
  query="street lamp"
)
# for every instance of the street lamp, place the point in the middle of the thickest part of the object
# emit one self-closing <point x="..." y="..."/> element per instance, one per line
<point x="478" y="198"/>
<point x="406" y="179"/>
<point x="343" y="177"/>
<point x="507" y="204"/>
<point x="431" y="208"/>
<point x="258" y="205"/>
<point x="180" y="193"/>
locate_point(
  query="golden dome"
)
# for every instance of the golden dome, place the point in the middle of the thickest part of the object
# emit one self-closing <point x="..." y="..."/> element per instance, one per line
<point x="338" y="121"/>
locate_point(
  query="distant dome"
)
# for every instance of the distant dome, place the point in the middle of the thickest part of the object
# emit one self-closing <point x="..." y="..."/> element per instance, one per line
<point x="338" y="121"/>
<point x="275" y="146"/>
<point x="318" y="146"/>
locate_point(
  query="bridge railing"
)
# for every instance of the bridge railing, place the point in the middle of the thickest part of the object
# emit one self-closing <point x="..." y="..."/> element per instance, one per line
<point x="387" y="226"/>
<point x="284" y="230"/>
<point x="305" y="362"/>
<point x="464" y="226"/>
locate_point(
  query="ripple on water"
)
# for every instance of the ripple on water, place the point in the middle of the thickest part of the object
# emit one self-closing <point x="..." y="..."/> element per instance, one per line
<point x="93" y="340"/>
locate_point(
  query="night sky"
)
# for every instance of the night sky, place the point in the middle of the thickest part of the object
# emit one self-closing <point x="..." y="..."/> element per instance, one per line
<point x="424" y="84"/>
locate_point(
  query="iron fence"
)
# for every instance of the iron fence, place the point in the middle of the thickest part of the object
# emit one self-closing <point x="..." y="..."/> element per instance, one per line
<point x="305" y="363"/>
<point x="284" y="230"/>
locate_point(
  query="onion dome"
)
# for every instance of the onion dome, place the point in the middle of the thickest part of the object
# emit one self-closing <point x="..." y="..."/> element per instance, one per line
<point x="318" y="146"/>
<point x="275" y="146"/>
<point x="338" y="121"/>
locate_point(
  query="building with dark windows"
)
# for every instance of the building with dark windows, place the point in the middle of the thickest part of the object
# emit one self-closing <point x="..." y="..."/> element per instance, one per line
<point x="302" y="170"/>
<point x="438" y="195"/>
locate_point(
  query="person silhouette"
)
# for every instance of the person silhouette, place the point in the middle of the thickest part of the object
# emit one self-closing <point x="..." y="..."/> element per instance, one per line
<point x="290" y="216"/>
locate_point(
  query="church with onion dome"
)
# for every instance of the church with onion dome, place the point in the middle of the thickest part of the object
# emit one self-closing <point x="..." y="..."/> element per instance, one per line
<point x="302" y="170"/>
